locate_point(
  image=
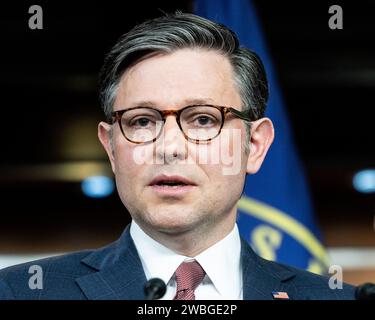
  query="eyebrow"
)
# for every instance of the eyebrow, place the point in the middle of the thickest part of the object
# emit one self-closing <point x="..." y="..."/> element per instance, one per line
<point x="184" y="103"/>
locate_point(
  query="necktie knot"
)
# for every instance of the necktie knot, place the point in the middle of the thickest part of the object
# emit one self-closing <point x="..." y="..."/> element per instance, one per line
<point x="188" y="276"/>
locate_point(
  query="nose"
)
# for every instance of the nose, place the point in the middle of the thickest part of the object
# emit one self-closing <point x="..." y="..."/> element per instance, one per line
<point x="172" y="145"/>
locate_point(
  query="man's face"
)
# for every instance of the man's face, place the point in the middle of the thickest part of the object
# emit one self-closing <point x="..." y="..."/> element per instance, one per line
<point x="173" y="81"/>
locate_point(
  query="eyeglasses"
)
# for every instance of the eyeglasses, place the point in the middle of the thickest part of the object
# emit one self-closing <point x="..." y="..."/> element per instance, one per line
<point x="198" y="123"/>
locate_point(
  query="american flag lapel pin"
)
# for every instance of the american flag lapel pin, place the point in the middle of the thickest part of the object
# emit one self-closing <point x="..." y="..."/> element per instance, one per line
<point x="280" y="295"/>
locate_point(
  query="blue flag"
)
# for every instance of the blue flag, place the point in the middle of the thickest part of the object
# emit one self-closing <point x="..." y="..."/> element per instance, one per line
<point x="275" y="212"/>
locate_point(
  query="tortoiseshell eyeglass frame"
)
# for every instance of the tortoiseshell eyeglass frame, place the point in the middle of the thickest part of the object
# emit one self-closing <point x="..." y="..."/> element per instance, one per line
<point x="117" y="115"/>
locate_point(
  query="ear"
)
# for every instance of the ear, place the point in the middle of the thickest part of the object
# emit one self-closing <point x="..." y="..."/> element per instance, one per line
<point x="104" y="135"/>
<point x="262" y="134"/>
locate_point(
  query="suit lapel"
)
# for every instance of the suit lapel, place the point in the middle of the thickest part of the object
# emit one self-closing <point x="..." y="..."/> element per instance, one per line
<point x="119" y="273"/>
<point x="262" y="277"/>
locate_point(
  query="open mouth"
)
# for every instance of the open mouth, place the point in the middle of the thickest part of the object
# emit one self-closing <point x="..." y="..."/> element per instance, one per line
<point x="165" y="183"/>
<point x="171" y="184"/>
<point x="171" y="181"/>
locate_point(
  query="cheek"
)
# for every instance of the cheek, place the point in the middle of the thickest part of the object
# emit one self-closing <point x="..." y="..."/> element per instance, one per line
<point x="131" y="156"/>
<point x="225" y="154"/>
<point x="129" y="175"/>
<point x="127" y="169"/>
<point x="224" y="188"/>
<point x="133" y="163"/>
<point x="124" y="160"/>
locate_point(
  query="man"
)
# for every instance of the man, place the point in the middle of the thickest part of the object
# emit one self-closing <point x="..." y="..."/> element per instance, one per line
<point x="185" y="107"/>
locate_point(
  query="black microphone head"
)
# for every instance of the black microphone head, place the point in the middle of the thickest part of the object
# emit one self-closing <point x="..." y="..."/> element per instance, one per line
<point x="155" y="288"/>
<point x="365" y="291"/>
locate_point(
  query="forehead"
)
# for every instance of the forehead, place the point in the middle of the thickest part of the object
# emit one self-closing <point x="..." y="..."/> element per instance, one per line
<point x="173" y="78"/>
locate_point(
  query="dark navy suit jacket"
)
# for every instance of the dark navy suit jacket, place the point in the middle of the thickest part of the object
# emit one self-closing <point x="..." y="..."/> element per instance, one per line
<point x="115" y="272"/>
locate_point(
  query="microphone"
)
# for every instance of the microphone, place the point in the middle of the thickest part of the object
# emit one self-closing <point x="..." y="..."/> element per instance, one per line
<point x="154" y="288"/>
<point x="365" y="291"/>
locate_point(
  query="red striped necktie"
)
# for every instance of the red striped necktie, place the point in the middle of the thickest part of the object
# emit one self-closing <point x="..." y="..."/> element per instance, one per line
<point x="188" y="276"/>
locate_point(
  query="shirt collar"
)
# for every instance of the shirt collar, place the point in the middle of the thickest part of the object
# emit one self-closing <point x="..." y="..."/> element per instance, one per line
<point x="222" y="263"/>
<point x="157" y="260"/>
<point x="218" y="261"/>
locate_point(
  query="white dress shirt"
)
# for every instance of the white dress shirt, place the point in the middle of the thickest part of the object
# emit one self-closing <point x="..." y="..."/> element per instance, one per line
<point x="221" y="262"/>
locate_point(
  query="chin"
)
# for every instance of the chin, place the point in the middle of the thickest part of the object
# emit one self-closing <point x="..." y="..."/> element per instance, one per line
<point x="172" y="224"/>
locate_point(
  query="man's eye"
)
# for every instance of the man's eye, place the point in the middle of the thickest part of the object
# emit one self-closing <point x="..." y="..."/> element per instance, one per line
<point x="204" y="121"/>
<point x="142" y="122"/>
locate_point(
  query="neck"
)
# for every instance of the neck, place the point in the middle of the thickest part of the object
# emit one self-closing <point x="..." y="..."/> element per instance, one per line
<point x="193" y="241"/>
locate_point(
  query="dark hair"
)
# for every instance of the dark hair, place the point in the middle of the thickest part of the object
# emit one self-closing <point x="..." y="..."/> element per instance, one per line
<point x="176" y="31"/>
